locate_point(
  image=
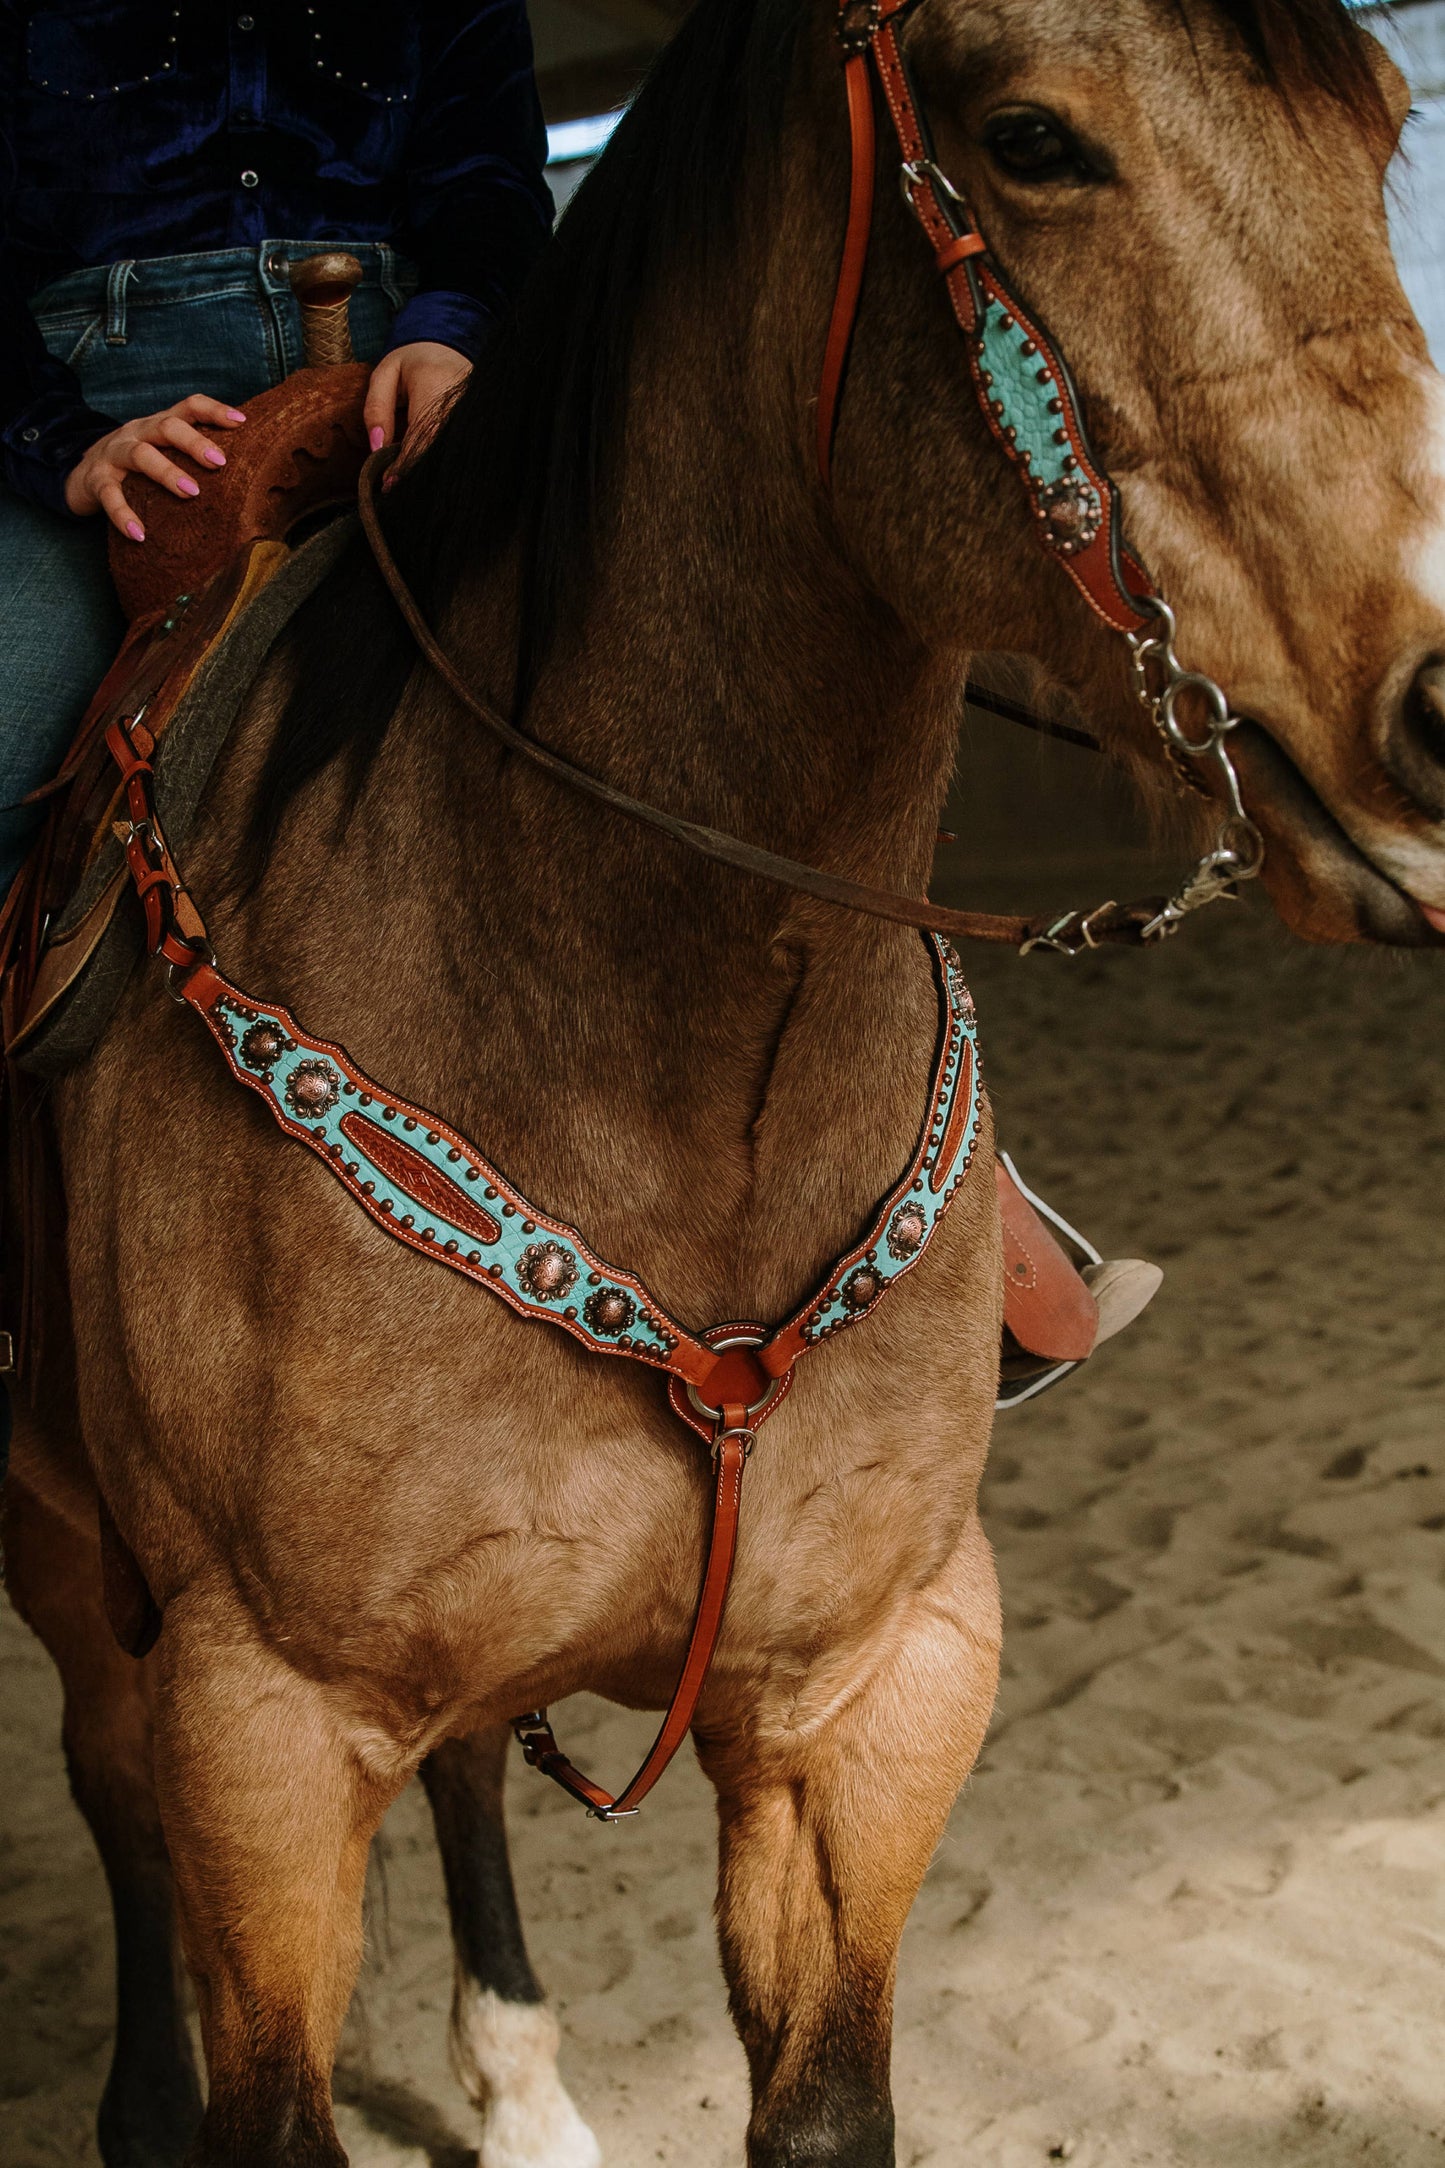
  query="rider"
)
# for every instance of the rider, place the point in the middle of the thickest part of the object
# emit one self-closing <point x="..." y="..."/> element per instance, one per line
<point x="165" y="166"/>
<point x="162" y="166"/>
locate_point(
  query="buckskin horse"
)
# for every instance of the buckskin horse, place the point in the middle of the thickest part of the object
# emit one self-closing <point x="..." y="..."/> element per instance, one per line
<point x="382" y="1517"/>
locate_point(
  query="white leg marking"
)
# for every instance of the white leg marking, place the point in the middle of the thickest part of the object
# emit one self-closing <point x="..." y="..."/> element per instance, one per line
<point x="505" y="2058"/>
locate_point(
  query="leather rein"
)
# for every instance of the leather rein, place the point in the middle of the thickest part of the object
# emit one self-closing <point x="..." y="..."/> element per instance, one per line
<point x="1113" y="924"/>
<point x="1029" y="402"/>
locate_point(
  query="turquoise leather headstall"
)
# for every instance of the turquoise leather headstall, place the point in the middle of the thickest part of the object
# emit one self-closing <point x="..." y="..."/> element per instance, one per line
<point x="1020" y="377"/>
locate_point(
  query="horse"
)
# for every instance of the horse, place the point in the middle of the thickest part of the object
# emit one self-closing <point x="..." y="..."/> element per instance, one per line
<point x="380" y="1516"/>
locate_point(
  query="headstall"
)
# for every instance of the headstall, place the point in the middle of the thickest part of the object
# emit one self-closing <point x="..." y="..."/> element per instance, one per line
<point x="1029" y="402"/>
<point x="429" y="1187"/>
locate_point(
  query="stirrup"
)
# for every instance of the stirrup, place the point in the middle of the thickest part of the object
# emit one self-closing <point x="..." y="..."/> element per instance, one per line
<point x="1123" y="1288"/>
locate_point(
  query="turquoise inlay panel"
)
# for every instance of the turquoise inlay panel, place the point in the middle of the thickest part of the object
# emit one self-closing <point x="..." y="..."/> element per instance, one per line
<point x="541" y="1265"/>
<point x="520" y="1229"/>
<point x="884" y="1262"/>
<point x="1025" y="400"/>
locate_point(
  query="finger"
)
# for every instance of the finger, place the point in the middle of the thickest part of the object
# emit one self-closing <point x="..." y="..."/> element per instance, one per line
<point x="184" y="438"/>
<point x="145" y="459"/>
<point x="379" y="413"/>
<point x="198" y="408"/>
<point x="112" y="502"/>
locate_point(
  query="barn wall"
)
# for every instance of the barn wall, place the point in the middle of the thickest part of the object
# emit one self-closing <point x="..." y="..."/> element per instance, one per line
<point x="1416" y="35"/>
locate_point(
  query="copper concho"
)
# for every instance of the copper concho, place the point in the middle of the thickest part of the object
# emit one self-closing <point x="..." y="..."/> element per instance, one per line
<point x="547" y="1271"/>
<point x="1071" y="515"/>
<point x="263" y="1045"/>
<point x="312" y="1089"/>
<point x="860" y="1288"/>
<point x="906" y="1231"/>
<point x="609" y="1311"/>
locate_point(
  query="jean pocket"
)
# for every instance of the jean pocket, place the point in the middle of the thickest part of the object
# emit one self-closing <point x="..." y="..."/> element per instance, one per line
<point x="87" y="49"/>
<point x="70" y="338"/>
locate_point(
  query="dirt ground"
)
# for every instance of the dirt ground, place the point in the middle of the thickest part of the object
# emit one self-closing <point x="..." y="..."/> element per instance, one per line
<point x="1191" y="1908"/>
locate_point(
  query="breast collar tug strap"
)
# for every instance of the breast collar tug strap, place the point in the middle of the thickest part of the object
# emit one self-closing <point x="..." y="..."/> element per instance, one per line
<point x="428" y="1186"/>
<point x="1020" y="378"/>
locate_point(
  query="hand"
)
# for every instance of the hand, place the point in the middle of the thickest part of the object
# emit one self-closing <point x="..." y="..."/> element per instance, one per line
<point x="94" y="483"/>
<point x="418" y="377"/>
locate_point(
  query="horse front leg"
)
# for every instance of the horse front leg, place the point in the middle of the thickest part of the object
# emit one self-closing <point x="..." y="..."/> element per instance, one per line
<point x="827" y="1827"/>
<point x="503" y="2037"/>
<point x="151" y="2105"/>
<point x="270" y="1794"/>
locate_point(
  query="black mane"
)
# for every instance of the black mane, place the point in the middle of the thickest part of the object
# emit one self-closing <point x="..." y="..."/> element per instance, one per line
<point x="526" y="458"/>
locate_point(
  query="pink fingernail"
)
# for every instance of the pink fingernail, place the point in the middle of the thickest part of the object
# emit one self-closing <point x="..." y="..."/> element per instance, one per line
<point x="135" y="530"/>
<point x="377" y="438"/>
<point x="187" y="487"/>
<point x="215" y="455"/>
<point x="234" y="415"/>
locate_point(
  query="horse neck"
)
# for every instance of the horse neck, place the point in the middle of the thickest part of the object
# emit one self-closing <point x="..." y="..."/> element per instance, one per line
<point x="733" y="669"/>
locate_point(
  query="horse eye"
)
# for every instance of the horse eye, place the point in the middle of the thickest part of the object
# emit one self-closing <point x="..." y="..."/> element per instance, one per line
<point x="1034" y="146"/>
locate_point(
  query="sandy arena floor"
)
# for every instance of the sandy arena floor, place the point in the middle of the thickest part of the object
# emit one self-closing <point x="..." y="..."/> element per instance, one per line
<point x="1191" y="1908"/>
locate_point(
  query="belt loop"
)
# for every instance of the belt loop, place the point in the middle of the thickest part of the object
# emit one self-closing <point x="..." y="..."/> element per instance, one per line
<point x="117" y="279"/>
<point x="388" y="275"/>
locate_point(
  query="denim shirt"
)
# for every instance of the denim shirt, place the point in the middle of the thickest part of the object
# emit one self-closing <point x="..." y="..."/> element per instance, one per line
<point x="164" y="127"/>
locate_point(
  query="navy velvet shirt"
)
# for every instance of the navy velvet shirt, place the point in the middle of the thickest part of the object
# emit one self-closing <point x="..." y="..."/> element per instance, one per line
<point x="153" y="129"/>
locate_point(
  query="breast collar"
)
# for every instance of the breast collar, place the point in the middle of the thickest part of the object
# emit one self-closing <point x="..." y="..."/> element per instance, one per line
<point x="428" y="1186"/>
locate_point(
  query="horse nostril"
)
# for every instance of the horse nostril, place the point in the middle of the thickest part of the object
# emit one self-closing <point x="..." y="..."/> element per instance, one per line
<point x="1414" y="748"/>
<point x="1424" y="711"/>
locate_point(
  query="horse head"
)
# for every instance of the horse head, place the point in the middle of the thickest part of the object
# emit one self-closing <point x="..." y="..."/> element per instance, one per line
<point x="1191" y="197"/>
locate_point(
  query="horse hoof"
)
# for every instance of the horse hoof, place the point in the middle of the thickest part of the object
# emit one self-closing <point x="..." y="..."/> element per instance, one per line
<point x="505" y="2054"/>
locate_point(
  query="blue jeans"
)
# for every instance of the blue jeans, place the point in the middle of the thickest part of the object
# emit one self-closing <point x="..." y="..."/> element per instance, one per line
<point x="139" y="336"/>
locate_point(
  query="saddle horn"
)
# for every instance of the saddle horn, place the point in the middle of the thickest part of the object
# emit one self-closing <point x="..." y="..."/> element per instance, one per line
<point x="323" y="286"/>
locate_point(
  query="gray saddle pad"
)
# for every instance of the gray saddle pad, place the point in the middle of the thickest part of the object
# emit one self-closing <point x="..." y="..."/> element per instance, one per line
<point x="202" y="722"/>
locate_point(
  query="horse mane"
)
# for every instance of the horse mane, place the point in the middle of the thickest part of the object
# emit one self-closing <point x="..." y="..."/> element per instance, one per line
<point x="528" y="455"/>
<point x="1318" y="44"/>
<point x="528" y="452"/>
